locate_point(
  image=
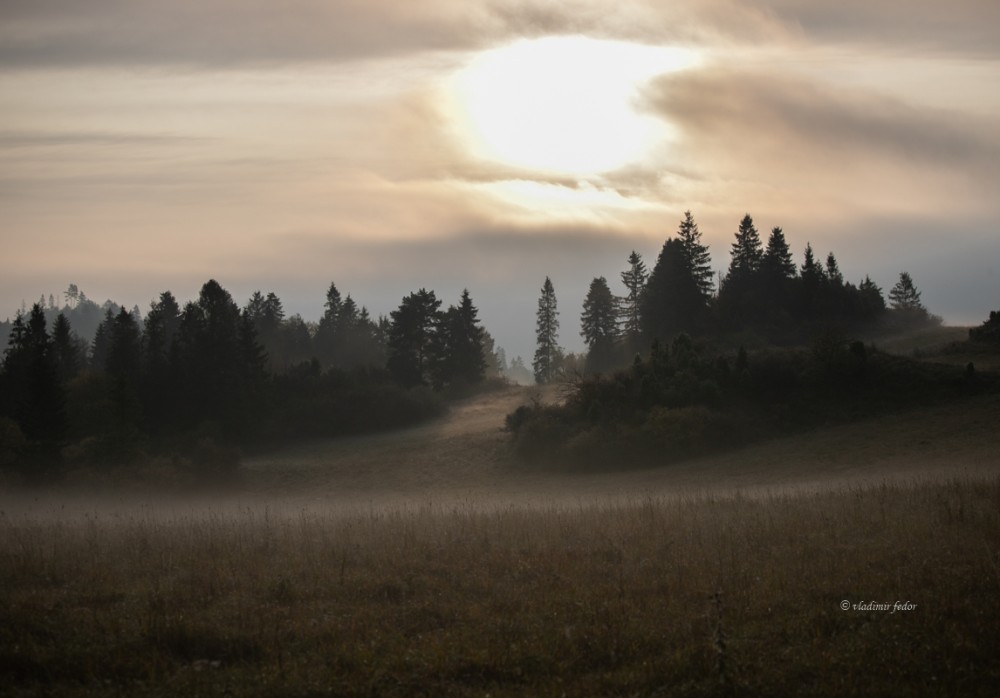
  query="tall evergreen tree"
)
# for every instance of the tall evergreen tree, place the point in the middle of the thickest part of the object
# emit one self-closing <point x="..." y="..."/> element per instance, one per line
<point x="634" y="279"/>
<point x="747" y="252"/>
<point x="99" y="347"/>
<point x="159" y="392"/>
<point x="66" y="350"/>
<point x="904" y="296"/>
<point x="599" y="326"/>
<point x="547" y="352"/>
<point x="411" y="337"/>
<point x="326" y="333"/>
<point x="459" y="348"/>
<point x="696" y="253"/>
<point x="41" y="408"/>
<point x="673" y="302"/>
<point x="833" y="274"/>
<point x="872" y="301"/>
<point x="777" y="261"/>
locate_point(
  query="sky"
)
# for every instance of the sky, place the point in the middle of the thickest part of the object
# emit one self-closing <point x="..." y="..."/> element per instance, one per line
<point x="388" y="146"/>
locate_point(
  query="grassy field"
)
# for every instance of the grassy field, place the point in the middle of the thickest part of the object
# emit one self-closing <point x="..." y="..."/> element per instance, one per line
<point x="424" y="563"/>
<point x="693" y="596"/>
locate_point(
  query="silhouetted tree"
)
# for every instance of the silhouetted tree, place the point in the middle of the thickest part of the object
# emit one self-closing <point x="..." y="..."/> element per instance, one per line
<point x="326" y="333"/>
<point x="159" y="394"/>
<point x="904" y="295"/>
<point x="634" y="279"/>
<point x="833" y="274"/>
<point x="547" y="352"/>
<point x="741" y="300"/>
<point x="698" y="258"/>
<point x="65" y="349"/>
<point x="99" y="347"/>
<point x="459" y="347"/>
<point x="411" y="336"/>
<point x="777" y="263"/>
<point x="672" y="302"/>
<point x="36" y="400"/>
<point x="872" y="303"/>
<point x="747" y="252"/>
<point x="599" y="326"/>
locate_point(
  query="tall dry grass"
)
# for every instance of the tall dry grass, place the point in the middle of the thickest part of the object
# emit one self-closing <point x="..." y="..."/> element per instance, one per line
<point x="698" y="596"/>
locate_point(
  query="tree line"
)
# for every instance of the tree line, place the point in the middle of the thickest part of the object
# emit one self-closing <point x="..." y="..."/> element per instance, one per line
<point x="198" y="378"/>
<point x="763" y="294"/>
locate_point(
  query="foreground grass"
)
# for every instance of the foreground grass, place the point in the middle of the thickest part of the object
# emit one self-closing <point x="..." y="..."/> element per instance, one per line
<point x="696" y="597"/>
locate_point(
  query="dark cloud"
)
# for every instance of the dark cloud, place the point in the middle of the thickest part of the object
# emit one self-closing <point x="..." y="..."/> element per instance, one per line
<point x="967" y="27"/>
<point x="31" y="139"/>
<point x="221" y="33"/>
<point x="785" y="122"/>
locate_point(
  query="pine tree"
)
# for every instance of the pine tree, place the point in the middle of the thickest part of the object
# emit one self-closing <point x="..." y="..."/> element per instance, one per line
<point x="672" y="302"/>
<point x="747" y="252"/>
<point x="66" y="349"/>
<point x="547" y="353"/>
<point x="833" y="274"/>
<point x="459" y="347"/>
<point x="812" y="272"/>
<point x="160" y="394"/>
<point x="99" y="347"/>
<point x="698" y="258"/>
<point x="599" y="326"/>
<point x="326" y="333"/>
<point x="411" y="338"/>
<point x="42" y="409"/>
<point x="904" y="296"/>
<point x="872" y="300"/>
<point x="777" y="261"/>
<point x="634" y="279"/>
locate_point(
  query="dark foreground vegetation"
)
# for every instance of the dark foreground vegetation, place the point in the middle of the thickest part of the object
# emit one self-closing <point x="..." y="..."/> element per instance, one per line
<point x="686" y="400"/>
<point x="677" y="368"/>
<point x="707" y="596"/>
<point x="188" y="388"/>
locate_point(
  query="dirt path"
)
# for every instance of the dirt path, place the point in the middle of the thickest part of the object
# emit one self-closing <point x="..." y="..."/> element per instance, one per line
<point x="465" y="458"/>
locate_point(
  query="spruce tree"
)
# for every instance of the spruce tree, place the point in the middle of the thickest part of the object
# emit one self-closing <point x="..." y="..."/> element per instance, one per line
<point x="326" y="333"/>
<point x="673" y="302"/>
<point x="599" y="326"/>
<point x="904" y="296"/>
<point x="634" y="279"/>
<point x="833" y="274"/>
<point x="747" y="252"/>
<point x="66" y="350"/>
<point x="459" y="347"/>
<point x="872" y="301"/>
<point x="698" y="258"/>
<point x="411" y="338"/>
<point x="777" y="261"/>
<point x="547" y="353"/>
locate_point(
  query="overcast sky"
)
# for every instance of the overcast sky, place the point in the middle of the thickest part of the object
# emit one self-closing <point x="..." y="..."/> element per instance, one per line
<point x="388" y="146"/>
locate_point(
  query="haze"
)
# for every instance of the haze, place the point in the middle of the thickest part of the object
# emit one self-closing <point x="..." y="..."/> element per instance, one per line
<point x="147" y="146"/>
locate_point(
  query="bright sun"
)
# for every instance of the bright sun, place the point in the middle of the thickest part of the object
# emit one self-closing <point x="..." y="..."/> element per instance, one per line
<point x="563" y="105"/>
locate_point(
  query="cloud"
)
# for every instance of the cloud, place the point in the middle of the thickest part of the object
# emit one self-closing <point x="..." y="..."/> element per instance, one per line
<point x="966" y="27"/>
<point x="223" y="33"/>
<point x="10" y="139"/>
<point x="232" y="33"/>
<point x="796" y="137"/>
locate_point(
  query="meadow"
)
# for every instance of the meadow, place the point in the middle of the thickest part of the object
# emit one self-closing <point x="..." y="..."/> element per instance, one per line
<point x="691" y="595"/>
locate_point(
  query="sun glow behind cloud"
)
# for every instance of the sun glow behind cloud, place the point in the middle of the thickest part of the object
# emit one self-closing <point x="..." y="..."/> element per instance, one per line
<point x="562" y="105"/>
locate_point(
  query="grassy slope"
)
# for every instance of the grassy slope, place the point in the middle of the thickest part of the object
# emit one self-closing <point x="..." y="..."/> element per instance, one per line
<point x="697" y="596"/>
<point x="422" y="564"/>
